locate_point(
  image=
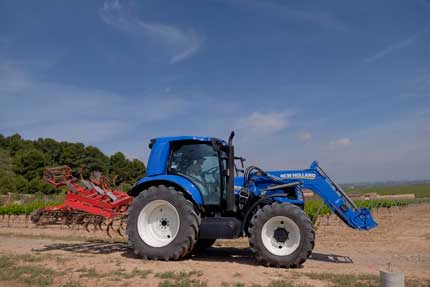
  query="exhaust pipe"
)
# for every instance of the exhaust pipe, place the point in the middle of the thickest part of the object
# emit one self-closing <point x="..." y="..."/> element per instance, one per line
<point x="231" y="199"/>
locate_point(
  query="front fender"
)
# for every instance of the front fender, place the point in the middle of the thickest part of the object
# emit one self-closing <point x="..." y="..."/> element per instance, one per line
<point x="190" y="188"/>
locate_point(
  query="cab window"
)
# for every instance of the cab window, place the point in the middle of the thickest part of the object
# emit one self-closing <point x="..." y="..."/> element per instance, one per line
<point x="201" y="165"/>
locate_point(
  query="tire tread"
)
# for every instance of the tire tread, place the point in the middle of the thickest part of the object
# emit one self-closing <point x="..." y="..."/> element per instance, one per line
<point x="262" y="254"/>
<point x="178" y="249"/>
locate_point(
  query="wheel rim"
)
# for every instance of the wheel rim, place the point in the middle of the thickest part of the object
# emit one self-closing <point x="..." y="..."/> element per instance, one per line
<point x="158" y="223"/>
<point x="280" y="235"/>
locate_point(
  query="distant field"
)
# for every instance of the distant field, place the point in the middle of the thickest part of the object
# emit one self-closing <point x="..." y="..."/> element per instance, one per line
<point x="420" y="190"/>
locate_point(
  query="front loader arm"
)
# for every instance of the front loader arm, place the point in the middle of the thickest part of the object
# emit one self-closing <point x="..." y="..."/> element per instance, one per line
<point x="332" y="194"/>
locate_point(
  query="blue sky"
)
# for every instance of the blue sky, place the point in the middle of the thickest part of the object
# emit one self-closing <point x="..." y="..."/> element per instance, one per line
<point x="347" y="83"/>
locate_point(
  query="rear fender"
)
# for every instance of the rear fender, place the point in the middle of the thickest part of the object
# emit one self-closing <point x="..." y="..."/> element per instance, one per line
<point x="191" y="191"/>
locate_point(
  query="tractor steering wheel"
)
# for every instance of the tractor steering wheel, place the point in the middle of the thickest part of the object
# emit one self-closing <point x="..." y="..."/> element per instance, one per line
<point x="211" y="171"/>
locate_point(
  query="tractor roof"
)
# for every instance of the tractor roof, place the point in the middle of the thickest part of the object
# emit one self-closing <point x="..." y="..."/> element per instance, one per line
<point x="185" y="138"/>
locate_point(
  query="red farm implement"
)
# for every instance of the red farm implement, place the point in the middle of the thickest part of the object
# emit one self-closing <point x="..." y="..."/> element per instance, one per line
<point x="92" y="203"/>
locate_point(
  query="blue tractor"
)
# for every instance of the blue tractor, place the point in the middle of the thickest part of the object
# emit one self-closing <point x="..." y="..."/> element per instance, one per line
<point x="190" y="197"/>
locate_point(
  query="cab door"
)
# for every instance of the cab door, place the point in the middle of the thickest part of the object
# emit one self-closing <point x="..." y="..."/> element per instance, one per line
<point x="202" y="165"/>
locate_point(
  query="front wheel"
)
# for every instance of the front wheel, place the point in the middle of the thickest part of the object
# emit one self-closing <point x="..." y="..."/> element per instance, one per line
<point x="281" y="235"/>
<point x="162" y="224"/>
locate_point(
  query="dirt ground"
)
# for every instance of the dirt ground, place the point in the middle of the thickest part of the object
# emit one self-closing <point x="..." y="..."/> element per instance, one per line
<point x="82" y="259"/>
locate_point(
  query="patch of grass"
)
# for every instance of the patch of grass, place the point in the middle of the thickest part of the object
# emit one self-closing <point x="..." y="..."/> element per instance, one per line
<point x="27" y="269"/>
<point x="295" y="275"/>
<point x="13" y="269"/>
<point x="338" y="280"/>
<point x="285" y="283"/>
<point x="6" y="261"/>
<point x="181" y="279"/>
<point x="417" y="283"/>
<point x="91" y="273"/>
<point x="187" y="282"/>
<point x="237" y="274"/>
<point x="178" y="275"/>
<point x="29" y="258"/>
<point x="239" y="284"/>
<point x="72" y="284"/>
<point x="140" y="273"/>
<point x="37" y="257"/>
<point x="280" y="283"/>
<point x="122" y="274"/>
<point x="166" y="275"/>
<point x="119" y="274"/>
<point x="114" y="275"/>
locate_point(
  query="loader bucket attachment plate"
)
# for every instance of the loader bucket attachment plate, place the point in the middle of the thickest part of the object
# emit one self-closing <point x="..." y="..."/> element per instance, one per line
<point x="363" y="220"/>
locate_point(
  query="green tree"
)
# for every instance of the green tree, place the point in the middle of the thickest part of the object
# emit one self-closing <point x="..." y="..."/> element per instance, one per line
<point x="126" y="170"/>
<point x="21" y="184"/>
<point x="94" y="160"/>
<point x="51" y="148"/>
<point x="37" y="185"/>
<point x="2" y="141"/>
<point x="136" y="170"/>
<point x="118" y="166"/>
<point x="5" y="163"/>
<point x="22" y="163"/>
<point x="13" y="184"/>
<point x="30" y="163"/>
<point x="6" y="184"/>
<point x="16" y="143"/>
<point x="73" y="155"/>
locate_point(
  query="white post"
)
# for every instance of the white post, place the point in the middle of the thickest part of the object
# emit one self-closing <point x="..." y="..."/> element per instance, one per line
<point x="392" y="278"/>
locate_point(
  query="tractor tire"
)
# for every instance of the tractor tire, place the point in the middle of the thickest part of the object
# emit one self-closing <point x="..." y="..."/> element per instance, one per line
<point x="203" y="244"/>
<point x="281" y="235"/>
<point x="162" y="224"/>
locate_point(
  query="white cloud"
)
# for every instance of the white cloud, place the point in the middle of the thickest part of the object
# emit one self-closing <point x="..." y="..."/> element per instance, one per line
<point x="179" y="44"/>
<point x="341" y="142"/>
<point x="93" y="131"/>
<point x="38" y="108"/>
<point x="305" y="136"/>
<point x="394" y="47"/>
<point x="423" y="84"/>
<point x="285" y="11"/>
<point x="264" y="123"/>
<point x="12" y="77"/>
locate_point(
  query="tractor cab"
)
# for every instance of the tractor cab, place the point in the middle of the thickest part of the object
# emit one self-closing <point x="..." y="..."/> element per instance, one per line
<point x="203" y="165"/>
<point x="203" y="162"/>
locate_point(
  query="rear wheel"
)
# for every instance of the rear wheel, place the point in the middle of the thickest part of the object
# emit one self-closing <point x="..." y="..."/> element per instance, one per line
<point x="162" y="224"/>
<point x="281" y="235"/>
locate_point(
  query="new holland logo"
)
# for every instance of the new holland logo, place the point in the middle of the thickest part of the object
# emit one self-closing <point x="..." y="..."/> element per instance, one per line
<point x="301" y="175"/>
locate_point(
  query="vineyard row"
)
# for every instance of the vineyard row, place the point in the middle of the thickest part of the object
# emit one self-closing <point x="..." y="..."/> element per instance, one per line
<point x="313" y="208"/>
